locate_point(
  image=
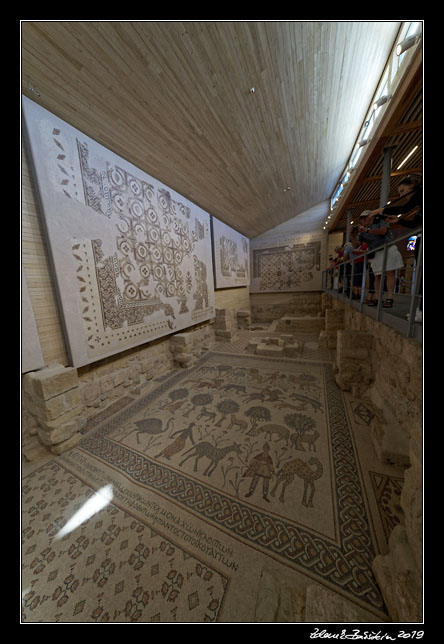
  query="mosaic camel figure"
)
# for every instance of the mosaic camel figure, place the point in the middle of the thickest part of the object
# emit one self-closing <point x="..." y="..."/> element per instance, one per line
<point x="214" y="454"/>
<point x="301" y="469"/>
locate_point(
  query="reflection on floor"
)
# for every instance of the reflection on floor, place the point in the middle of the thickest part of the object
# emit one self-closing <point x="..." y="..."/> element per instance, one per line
<point x="182" y="505"/>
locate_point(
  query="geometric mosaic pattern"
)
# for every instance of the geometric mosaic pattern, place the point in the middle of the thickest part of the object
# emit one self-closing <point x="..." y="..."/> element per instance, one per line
<point x="387" y="490"/>
<point x="113" y="568"/>
<point x="286" y="263"/>
<point x="231" y="256"/>
<point x="131" y="257"/>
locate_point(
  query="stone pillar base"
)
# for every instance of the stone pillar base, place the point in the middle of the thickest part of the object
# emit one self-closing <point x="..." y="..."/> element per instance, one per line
<point x="52" y="397"/>
<point x="399" y="579"/>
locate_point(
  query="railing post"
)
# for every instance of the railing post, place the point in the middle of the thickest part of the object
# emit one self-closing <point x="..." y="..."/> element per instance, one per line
<point x="347" y="228"/>
<point x="352" y="272"/>
<point x="364" y="274"/>
<point x="415" y="291"/>
<point x="386" y="172"/>
<point x="381" y="284"/>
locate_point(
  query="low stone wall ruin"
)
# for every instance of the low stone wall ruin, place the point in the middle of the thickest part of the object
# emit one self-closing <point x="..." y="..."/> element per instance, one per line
<point x="376" y="363"/>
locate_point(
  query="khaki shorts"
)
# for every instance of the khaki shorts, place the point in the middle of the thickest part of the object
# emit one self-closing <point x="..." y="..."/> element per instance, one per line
<point x="394" y="260"/>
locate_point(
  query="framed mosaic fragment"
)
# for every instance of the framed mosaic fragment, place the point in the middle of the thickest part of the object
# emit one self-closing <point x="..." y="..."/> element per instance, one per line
<point x="231" y="256"/>
<point x="289" y="262"/>
<point x="132" y="258"/>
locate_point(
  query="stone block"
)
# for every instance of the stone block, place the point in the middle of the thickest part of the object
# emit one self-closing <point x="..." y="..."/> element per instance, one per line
<point x="252" y="346"/>
<point x="180" y="339"/>
<point x="334" y="319"/>
<point x="51" y="381"/>
<point x="270" y="350"/>
<point x="34" y="451"/>
<point x="391" y="443"/>
<point x="398" y="579"/>
<point x="323" y="605"/>
<point x="226" y="335"/>
<point x="62" y="432"/>
<point x="243" y="319"/>
<point x="106" y="383"/>
<point x="60" y="448"/>
<point x="91" y="392"/>
<point x="61" y="420"/>
<point x="411" y="503"/>
<point x="292" y="350"/>
<point x="118" y="378"/>
<point x="323" y="339"/>
<point x="184" y="360"/>
<point x="222" y="324"/>
<point x="268" y="597"/>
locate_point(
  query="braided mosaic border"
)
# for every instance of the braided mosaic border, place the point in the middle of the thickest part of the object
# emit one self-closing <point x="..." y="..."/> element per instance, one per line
<point x="347" y="567"/>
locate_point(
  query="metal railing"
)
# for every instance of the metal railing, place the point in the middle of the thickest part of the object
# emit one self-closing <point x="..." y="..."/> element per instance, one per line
<point x="340" y="282"/>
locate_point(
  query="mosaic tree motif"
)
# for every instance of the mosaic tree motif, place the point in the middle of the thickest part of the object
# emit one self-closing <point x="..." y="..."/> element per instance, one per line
<point x="301" y="424"/>
<point x="226" y="407"/>
<point x="256" y="415"/>
<point x="199" y="400"/>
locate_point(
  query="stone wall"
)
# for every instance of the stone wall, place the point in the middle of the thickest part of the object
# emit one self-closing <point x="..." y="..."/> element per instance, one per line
<point x="57" y="401"/>
<point x="54" y="407"/>
<point x="267" y="307"/>
<point x="375" y="362"/>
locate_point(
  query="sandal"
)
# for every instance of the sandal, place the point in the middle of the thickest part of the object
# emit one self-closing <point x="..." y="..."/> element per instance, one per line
<point x="388" y="304"/>
<point x="372" y="302"/>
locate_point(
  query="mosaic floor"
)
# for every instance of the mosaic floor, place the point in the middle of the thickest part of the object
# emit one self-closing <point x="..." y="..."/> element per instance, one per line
<point x="175" y="502"/>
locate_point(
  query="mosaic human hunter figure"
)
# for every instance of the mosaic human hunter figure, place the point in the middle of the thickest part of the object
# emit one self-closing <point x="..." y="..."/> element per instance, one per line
<point x="261" y="466"/>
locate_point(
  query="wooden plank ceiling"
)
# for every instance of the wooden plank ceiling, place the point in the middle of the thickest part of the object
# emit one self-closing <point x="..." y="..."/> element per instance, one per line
<point x="176" y="100"/>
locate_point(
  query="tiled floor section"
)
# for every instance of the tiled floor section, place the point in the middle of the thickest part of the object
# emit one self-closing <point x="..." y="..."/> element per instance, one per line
<point x="259" y="464"/>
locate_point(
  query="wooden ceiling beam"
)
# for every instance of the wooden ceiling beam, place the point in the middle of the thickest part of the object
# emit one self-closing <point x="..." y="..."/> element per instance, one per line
<point x="395" y="173"/>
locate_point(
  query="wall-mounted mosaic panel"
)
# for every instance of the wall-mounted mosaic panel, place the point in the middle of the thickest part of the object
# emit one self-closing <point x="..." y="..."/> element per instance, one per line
<point x="32" y="356"/>
<point x="286" y="263"/>
<point x="132" y="258"/>
<point x="231" y="256"/>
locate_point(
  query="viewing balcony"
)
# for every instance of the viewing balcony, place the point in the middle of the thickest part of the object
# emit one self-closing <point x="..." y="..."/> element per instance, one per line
<point x="352" y="282"/>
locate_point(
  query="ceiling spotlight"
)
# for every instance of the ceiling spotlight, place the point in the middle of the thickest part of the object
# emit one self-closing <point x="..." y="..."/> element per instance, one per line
<point x="381" y="101"/>
<point x="407" y="43"/>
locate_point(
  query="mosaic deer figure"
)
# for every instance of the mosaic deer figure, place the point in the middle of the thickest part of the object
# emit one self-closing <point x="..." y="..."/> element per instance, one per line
<point x="214" y="454"/>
